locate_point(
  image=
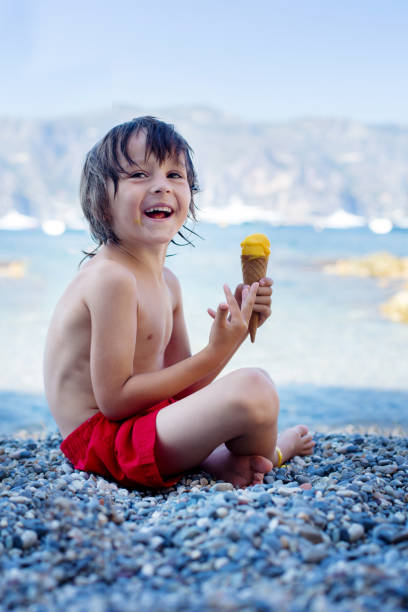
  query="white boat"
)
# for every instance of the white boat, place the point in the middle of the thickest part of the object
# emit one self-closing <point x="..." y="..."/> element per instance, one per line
<point x="381" y="225"/>
<point x="402" y="223"/>
<point x="14" y="220"/>
<point x="236" y="212"/>
<point x="53" y="227"/>
<point x="340" y="219"/>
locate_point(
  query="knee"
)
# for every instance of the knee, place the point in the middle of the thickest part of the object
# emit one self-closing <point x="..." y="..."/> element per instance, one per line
<point x="256" y="397"/>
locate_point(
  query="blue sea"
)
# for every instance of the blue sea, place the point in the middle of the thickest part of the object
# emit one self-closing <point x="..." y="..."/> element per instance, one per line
<point x="334" y="358"/>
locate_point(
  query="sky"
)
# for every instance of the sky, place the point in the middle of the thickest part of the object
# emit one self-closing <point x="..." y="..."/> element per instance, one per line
<point x="264" y="60"/>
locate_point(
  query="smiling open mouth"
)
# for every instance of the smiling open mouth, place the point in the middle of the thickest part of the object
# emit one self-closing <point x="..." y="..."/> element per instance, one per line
<point x="158" y="212"/>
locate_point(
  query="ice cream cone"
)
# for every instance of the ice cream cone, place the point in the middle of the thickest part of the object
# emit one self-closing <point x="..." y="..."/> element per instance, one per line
<point x="253" y="269"/>
<point x="254" y="261"/>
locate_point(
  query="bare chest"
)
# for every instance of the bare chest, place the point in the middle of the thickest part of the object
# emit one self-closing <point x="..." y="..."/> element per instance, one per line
<point x="154" y="328"/>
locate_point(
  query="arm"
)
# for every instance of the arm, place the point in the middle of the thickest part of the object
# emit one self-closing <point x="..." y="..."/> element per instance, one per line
<point x="118" y="392"/>
<point x="262" y="305"/>
<point x="179" y="345"/>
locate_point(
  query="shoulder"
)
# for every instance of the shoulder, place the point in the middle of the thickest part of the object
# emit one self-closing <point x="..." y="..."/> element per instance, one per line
<point x="172" y="281"/>
<point x="108" y="279"/>
<point x="173" y="284"/>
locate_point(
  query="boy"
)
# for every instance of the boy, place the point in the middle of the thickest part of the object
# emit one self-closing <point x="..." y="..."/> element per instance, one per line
<point x="130" y="400"/>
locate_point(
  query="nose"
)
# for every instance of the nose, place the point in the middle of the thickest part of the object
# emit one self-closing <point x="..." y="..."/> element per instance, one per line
<point x="160" y="184"/>
<point x="160" y="189"/>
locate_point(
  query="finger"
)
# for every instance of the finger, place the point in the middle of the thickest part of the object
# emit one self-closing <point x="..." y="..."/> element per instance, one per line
<point x="211" y="312"/>
<point x="263" y="315"/>
<point x="245" y="291"/>
<point x="222" y="312"/>
<point x="266" y="282"/>
<point x="248" y="303"/>
<point x="263" y="299"/>
<point x="264" y="291"/>
<point x="232" y="302"/>
<point x="238" y="291"/>
<point x="261" y="309"/>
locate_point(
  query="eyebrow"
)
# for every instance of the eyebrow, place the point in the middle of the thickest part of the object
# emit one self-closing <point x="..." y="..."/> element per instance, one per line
<point x="140" y="162"/>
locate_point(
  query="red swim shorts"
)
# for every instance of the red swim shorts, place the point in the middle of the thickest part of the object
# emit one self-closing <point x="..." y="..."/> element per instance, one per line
<point x="123" y="450"/>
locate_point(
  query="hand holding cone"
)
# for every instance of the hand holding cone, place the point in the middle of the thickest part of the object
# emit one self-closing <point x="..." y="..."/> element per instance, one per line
<point x="254" y="262"/>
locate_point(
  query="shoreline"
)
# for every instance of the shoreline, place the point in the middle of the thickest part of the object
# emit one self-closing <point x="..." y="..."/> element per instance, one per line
<point x="394" y="430"/>
<point x="325" y="532"/>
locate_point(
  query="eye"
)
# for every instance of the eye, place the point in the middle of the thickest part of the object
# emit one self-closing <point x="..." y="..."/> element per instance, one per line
<point x="138" y="174"/>
<point x="176" y="174"/>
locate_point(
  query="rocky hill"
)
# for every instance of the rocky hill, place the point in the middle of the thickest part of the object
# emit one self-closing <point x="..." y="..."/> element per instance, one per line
<point x="292" y="172"/>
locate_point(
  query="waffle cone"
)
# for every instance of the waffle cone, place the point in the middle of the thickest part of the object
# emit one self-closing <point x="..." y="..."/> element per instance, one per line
<point x="253" y="269"/>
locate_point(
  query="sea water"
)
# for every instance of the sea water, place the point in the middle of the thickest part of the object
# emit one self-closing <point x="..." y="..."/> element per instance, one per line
<point x="333" y="356"/>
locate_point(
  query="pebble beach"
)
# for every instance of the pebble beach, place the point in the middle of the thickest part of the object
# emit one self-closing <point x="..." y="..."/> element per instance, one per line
<point x="326" y="532"/>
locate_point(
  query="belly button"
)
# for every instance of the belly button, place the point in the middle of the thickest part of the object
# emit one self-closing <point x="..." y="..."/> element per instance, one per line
<point x="150" y="336"/>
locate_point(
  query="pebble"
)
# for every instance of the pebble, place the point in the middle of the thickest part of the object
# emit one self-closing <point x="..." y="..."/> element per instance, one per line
<point x="311" y="534"/>
<point x="323" y="533"/>
<point x="223" y="486"/>
<point x="355" y="532"/>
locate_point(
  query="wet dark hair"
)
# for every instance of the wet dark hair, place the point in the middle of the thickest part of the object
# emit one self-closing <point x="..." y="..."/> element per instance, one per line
<point x="102" y="164"/>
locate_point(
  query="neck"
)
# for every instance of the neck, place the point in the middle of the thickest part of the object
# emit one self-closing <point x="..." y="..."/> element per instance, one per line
<point x="152" y="262"/>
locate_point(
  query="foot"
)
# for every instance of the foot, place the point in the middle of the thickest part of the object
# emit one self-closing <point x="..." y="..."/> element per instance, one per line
<point x="294" y="441"/>
<point x="239" y="470"/>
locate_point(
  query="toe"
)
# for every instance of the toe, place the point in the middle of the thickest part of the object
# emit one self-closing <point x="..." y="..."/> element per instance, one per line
<point x="260" y="464"/>
<point x="257" y="478"/>
<point x="302" y="429"/>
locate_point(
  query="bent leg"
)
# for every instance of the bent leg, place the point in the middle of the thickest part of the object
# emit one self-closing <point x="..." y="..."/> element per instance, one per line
<point x="240" y="409"/>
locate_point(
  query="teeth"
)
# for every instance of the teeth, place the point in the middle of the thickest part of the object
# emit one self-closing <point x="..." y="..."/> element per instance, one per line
<point x="159" y="209"/>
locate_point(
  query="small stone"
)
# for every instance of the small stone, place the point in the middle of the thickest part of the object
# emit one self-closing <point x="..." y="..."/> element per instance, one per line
<point x="311" y="534"/>
<point x="220" y="562"/>
<point x="386" y="469"/>
<point x="355" y="532"/>
<point x="399" y="517"/>
<point x="157" y="542"/>
<point x="285" y="543"/>
<point x="223" y="486"/>
<point x="315" y="554"/>
<point x="221" y="512"/>
<point x="384" y="533"/>
<point x="28" y="538"/>
<point x="117" y="517"/>
<point x="287" y="491"/>
<point x="75" y="486"/>
<point x="400" y="537"/>
<point x="19" y="499"/>
<point x="195" y="554"/>
<point x="147" y="570"/>
<point x="165" y="571"/>
<point x="347" y="493"/>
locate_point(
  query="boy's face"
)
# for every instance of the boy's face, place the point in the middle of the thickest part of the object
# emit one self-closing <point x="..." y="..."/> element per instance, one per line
<point x="152" y="201"/>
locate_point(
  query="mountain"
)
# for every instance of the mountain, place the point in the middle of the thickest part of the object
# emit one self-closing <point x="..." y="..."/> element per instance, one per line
<point x="294" y="172"/>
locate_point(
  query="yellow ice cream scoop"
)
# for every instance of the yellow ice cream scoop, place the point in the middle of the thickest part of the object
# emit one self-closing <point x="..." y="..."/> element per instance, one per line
<point x="254" y="261"/>
<point x="256" y="245"/>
